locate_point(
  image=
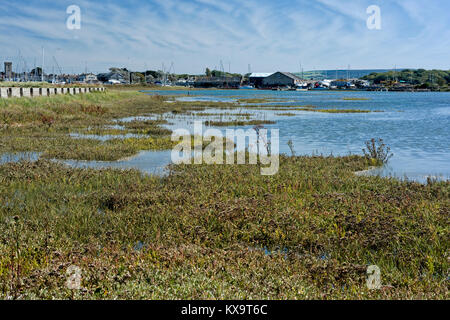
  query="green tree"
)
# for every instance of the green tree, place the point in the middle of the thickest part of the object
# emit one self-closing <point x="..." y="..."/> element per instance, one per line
<point x="154" y="74"/>
<point x="138" y="77"/>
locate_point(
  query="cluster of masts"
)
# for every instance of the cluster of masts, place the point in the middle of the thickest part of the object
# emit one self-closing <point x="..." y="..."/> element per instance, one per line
<point x="38" y="72"/>
<point x="21" y="69"/>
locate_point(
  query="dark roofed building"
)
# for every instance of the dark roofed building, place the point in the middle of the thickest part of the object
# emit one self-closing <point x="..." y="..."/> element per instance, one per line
<point x="218" y="82"/>
<point x="256" y="79"/>
<point x="281" y="79"/>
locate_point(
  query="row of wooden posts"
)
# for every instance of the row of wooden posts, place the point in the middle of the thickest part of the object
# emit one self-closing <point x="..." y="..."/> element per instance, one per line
<point x="15" y="92"/>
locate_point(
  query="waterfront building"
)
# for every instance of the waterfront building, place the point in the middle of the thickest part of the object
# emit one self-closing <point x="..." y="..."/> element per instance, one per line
<point x="256" y="79"/>
<point x="280" y="79"/>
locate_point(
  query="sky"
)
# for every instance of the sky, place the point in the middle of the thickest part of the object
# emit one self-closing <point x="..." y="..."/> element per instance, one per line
<point x="268" y="35"/>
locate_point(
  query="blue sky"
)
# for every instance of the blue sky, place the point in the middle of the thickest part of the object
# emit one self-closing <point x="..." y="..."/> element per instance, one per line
<point x="268" y="34"/>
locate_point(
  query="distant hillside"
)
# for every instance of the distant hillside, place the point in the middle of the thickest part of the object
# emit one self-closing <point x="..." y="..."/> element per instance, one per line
<point x="419" y="77"/>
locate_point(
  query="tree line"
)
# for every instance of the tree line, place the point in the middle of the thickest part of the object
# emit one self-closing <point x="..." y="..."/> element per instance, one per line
<point x="419" y="78"/>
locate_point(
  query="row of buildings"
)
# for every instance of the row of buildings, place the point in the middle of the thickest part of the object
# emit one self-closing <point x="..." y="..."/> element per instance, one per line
<point x="114" y="76"/>
<point x="275" y="80"/>
<point x="254" y="80"/>
<point x="289" y="80"/>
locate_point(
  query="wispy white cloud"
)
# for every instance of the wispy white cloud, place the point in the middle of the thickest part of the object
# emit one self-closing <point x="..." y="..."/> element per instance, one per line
<point x="269" y="35"/>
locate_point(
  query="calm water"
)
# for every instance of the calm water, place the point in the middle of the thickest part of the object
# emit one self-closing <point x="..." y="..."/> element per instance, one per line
<point x="149" y="162"/>
<point x="414" y="125"/>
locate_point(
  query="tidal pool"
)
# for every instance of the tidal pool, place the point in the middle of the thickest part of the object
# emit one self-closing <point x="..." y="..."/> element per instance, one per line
<point x="149" y="162"/>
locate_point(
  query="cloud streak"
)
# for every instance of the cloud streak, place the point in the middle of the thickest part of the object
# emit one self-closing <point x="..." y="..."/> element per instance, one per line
<point x="269" y="35"/>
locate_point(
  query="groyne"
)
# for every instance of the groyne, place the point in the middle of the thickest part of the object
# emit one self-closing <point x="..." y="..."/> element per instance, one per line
<point x="16" y="92"/>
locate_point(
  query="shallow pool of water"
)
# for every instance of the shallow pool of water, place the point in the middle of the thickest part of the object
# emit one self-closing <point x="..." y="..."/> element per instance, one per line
<point x="19" y="156"/>
<point x="149" y="162"/>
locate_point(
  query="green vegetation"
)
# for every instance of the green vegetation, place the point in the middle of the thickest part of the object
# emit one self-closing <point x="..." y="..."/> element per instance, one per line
<point x="378" y="151"/>
<point x="257" y="100"/>
<point x="420" y="78"/>
<point x="217" y="73"/>
<point x="110" y="150"/>
<point x="311" y="108"/>
<point x="337" y="110"/>
<point x="355" y="99"/>
<point x="221" y="232"/>
<point x="286" y="114"/>
<point x="317" y="109"/>
<point x="203" y="231"/>
<point x="43" y="124"/>
<point x="212" y="114"/>
<point x="102" y="131"/>
<point x="148" y="127"/>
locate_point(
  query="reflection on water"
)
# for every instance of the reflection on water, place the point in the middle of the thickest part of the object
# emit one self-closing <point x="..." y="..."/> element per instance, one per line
<point x="19" y="156"/>
<point x="150" y="162"/>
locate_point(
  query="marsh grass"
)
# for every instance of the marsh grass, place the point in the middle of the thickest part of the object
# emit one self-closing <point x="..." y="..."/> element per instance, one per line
<point x="104" y="131"/>
<point x="239" y="114"/>
<point x="286" y="114"/>
<point x="203" y="231"/>
<point x="338" y="110"/>
<point x="148" y="127"/>
<point x="221" y="232"/>
<point x="311" y="108"/>
<point x="43" y="124"/>
<point x="257" y="100"/>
